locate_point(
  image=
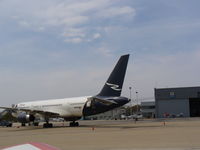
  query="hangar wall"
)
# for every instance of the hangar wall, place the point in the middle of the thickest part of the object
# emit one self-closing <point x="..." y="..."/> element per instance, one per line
<point x="173" y="107"/>
<point x="176" y="101"/>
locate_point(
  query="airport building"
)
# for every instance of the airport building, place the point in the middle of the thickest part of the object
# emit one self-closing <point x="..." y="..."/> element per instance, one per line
<point x="177" y="102"/>
<point x="148" y="109"/>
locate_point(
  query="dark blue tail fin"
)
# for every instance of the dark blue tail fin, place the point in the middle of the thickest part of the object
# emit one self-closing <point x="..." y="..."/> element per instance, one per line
<point x="113" y="86"/>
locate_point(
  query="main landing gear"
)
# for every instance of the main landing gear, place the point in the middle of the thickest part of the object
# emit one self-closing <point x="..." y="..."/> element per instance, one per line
<point x="36" y="123"/>
<point x="73" y="124"/>
<point x="47" y="125"/>
<point x="30" y="124"/>
<point x="23" y="124"/>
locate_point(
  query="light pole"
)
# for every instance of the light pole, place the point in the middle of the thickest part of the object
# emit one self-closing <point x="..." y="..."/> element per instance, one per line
<point x="130" y="100"/>
<point x="136" y="102"/>
<point x="130" y="93"/>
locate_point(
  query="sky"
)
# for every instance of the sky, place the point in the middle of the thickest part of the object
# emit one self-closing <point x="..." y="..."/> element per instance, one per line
<point x="64" y="48"/>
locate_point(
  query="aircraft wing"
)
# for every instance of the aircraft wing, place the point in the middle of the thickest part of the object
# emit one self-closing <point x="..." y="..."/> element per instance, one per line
<point x="32" y="146"/>
<point x="33" y="111"/>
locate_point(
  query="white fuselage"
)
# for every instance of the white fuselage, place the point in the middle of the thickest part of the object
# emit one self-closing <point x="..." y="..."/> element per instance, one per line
<point x="67" y="107"/>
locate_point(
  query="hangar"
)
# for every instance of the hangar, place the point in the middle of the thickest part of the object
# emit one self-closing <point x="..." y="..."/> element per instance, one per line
<point x="177" y="102"/>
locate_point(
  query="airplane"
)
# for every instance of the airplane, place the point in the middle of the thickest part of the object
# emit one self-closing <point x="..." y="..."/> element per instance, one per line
<point x="73" y="109"/>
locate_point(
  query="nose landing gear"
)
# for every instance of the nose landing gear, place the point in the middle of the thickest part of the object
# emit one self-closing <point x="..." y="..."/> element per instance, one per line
<point x="73" y="124"/>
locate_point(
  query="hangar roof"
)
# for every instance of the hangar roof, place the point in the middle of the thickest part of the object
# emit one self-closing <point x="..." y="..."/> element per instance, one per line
<point x="177" y="93"/>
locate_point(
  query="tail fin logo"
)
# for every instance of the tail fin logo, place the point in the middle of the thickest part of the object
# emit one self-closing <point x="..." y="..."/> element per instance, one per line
<point x="113" y="86"/>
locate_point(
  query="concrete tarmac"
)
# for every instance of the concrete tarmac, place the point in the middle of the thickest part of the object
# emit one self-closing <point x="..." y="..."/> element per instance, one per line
<point x="176" y="134"/>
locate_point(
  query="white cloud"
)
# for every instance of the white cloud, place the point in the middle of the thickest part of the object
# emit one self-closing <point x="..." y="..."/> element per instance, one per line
<point x="117" y="11"/>
<point x="74" y="32"/>
<point x="96" y="35"/>
<point x="67" y="17"/>
<point x="24" y="23"/>
<point x="105" y="51"/>
<point x="41" y="28"/>
<point x="74" y="40"/>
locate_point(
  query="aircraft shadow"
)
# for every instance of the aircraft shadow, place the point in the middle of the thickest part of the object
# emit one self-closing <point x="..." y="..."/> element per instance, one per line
<point x="31" y="128"/>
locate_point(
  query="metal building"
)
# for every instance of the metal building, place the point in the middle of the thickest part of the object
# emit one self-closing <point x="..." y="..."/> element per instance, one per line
<point x="148" y="109"/>
<point x="177" y="102"/>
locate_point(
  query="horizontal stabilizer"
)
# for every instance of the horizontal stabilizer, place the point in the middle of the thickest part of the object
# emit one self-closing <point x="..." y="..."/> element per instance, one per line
<point x="102" y="100"/>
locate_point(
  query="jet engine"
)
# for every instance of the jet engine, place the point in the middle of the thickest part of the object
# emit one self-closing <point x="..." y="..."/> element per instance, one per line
<point x="25" y="118"/>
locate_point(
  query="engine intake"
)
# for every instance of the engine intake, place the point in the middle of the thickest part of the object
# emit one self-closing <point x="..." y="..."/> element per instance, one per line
<point x="25" y="118"/>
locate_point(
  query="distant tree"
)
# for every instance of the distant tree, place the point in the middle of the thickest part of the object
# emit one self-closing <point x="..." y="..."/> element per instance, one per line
<point x="132" y="110"/>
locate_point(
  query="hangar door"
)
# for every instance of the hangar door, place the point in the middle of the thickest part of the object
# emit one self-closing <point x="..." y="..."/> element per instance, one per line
<point x="194" y="107"/>
<point x="172" y="107"/>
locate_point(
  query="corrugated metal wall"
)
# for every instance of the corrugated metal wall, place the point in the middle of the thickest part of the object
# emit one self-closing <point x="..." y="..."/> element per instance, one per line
<point x="174" y="101"/>
<point x="172" y="107"/>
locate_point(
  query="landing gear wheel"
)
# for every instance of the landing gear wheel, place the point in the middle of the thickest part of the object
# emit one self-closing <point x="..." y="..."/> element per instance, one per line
<point x="76" y="124"/>
<point x="23" y="124"/>
<point x="9" y="125"/>
<point x="47" y="125"/>
<point x="50" y="125"/>
<point x="73" y="124"/>
<point x="36" y="123"/>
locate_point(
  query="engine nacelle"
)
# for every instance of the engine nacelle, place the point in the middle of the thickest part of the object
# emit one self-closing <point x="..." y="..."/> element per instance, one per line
<point x="25" y="118"/>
